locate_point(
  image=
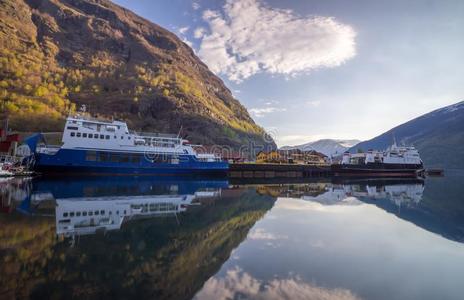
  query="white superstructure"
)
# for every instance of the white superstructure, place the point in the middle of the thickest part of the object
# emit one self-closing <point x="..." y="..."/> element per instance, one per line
<point x="83" y="216"/>
<point x="393" y="155"/>
<point x="84" y="133"/>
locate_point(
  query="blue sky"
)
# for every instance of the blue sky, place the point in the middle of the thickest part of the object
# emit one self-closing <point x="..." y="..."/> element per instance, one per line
<point x="308" y="69"/>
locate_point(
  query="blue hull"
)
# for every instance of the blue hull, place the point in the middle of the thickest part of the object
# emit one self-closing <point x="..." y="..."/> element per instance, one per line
<point x="89" y="162"/>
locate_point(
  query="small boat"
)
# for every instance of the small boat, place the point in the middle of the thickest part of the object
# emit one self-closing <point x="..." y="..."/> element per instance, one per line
<point x="396" y="161"/>
<point x="98" y="147"/>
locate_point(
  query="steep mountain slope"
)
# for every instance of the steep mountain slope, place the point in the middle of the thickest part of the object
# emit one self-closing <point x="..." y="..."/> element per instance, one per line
<point x="56" y="55"/>
<point x="439" y="136"/>
<point x="327" y="146"/>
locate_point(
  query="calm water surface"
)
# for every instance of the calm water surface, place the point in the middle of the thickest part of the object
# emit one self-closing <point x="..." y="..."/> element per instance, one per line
<point x="174" y="238"/>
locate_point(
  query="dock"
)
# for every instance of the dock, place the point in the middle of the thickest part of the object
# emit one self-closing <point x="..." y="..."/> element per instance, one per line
<point x="255" y="170"/>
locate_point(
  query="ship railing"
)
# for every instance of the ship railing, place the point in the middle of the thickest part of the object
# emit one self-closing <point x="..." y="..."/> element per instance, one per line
<point x="87" y="117"/>
<point x="154" y="135"/>
<point x="208" y="157"/>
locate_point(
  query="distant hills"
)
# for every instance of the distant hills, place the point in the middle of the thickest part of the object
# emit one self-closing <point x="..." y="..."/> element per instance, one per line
<point x="438" y="135"/>
<point x="328" y="147"/>
<point x="56" y="55"/>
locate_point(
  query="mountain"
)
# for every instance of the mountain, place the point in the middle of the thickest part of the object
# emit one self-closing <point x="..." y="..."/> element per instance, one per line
<point x="438" y="135"/>
<point x="327" y="146"/>
<point x="56" y="55"/>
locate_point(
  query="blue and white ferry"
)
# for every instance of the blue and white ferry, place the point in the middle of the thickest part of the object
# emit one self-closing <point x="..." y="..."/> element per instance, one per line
<point x="93" y="146"/>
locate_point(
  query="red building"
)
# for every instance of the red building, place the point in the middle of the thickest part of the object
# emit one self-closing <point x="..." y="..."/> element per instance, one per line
<point x="8" y="142"/>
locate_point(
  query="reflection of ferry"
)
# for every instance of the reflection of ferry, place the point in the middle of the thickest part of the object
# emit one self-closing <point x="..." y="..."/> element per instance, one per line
<point x="100" y="147"/>
<point x="394" y="162"/>
<point x="85" y="205"/>
<point x="81" y="216"/>
<point x="399" y="192"/>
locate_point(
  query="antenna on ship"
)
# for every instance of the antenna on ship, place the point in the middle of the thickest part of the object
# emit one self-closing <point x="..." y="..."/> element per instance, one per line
<point x="180" y="130"/>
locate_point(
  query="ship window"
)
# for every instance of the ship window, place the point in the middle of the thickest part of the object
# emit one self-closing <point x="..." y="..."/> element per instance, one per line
<point x="72" y="128"/>
<point x="84" y="135"/>
<point x="73" y="133"/>
<point x="114" y="157"/>
<point x="90" y="136"/>
<point x="91" y="156"/>
<point x="114" y="136"/>
<point x="71" y="214"/>
<point x="110" y="212"/>
<point x="78" y="134"/>
<point x="117" y="212"/>
<point x="135" y="159"/>
<point x="107" y="137"/>
<point x="102" y="212"/>
<point x="97" y="212"/>
<point x="78" y="214"/>
<point x="124" y="211"/>
<point x="90" y="213"/>
<point x="122" y="137"/>
<point x="128" y="138"/>
<point x="103" y="156"/>
<point x="95" y="136"/>
<point x="65" y="214"/>
<point x="84" y="213"/>
<point x="102" y="136"/>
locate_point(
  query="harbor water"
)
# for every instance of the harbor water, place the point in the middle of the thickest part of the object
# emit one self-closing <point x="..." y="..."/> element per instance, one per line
<point x="178" y="238"/>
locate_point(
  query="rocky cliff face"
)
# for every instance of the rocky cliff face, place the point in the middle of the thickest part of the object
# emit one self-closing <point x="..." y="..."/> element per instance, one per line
<point x="59" y="54"/>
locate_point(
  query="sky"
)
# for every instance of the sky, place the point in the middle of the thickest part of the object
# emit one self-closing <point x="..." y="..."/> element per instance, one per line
<point x="313" y="69"/>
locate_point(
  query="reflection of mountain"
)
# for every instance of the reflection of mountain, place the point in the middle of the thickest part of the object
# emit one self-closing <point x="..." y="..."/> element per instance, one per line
<point x="147" y="257"/>
<point x="441" y="210"/>
<point x="436" y="206"/>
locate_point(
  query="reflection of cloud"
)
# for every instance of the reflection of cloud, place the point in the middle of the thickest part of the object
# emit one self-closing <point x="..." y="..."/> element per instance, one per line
<point x="239" y="284"/>
<point x="249" y="37"/>
<point x="261" y="234"/>
<point x="294" y="204"/>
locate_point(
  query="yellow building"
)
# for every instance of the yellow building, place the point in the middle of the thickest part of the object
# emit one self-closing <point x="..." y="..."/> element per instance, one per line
<point x="268" y="157"/>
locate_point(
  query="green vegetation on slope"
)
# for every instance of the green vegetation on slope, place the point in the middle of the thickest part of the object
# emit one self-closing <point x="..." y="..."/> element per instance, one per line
<point x="57" y="55"/>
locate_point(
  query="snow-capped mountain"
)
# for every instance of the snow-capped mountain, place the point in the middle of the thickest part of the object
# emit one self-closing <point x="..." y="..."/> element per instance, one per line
<point x="328" y="147"/>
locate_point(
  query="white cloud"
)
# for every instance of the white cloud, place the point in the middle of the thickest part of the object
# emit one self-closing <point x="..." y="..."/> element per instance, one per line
<point x="239" y="284"/>
<point x="199" y="32"/>
<point x="315" y="103"/>
<point x="260" y="112"/>
<point x="183" y="30"/>
<point x="195" y="5"/>
<point x="249" y="37"/>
